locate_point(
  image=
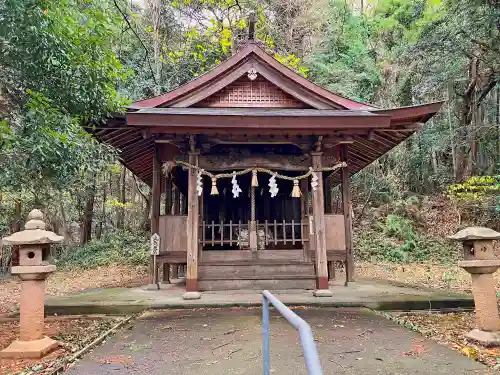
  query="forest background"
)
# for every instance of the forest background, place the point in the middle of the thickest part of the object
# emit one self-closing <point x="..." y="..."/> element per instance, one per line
<point x="69" y="62"/>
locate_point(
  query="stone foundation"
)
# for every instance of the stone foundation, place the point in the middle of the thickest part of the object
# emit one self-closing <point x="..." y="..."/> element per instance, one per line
<point x="29" y="349"/>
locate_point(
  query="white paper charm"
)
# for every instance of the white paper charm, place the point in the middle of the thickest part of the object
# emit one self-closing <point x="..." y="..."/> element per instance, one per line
<point x="314" y="181"/>
<point x="199" y="183"/>
<point x="273" y="186"/>
<point x="236" y="189"/>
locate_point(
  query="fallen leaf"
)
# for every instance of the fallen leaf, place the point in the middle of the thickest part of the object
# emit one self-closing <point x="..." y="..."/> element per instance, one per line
<point x="470" y="352"/>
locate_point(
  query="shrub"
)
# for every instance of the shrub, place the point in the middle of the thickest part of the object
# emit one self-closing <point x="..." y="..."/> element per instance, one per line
<point x="395" y="240"/>
<point x="120" y="246"/>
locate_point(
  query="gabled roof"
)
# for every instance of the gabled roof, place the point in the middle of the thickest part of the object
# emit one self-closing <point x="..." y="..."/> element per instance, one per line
<point x="300" y="107"/>
<point x="251" y="57"/>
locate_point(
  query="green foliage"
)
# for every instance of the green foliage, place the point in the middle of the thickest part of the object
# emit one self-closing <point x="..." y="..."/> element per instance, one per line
<point x="476" y="188"/>
<point x="120" y="246"/>
<point x="395" y="240"/>
<point x="59" y="71"/>
<point x="345" y="63"/>
<point x="71" y="58"/>
<point x="478" y="198"/>
<point x="401" y="228"/>
<point x="51" y="149"/>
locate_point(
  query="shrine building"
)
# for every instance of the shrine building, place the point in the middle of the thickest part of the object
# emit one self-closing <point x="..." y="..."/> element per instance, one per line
<point x="242" y="162"/>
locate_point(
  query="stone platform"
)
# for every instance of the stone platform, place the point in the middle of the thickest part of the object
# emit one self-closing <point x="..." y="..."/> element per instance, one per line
<point x="377" y="295"/>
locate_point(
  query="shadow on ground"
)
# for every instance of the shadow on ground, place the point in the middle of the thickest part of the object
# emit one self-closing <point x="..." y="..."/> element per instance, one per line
<point x="228" y="341"/>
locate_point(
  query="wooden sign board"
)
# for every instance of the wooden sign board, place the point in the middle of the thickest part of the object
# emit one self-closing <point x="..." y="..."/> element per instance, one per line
<point x="155" y="244"/>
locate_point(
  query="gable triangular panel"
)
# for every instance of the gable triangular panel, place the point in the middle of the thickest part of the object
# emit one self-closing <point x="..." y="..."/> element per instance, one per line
<point x="247" y="92"/>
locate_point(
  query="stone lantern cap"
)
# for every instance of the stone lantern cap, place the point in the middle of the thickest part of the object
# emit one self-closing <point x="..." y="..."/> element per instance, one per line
<point x="475" y="233"/>
<point x="34" y="233"/>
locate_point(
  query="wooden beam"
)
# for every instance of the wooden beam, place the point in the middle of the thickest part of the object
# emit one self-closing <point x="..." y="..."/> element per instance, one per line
<point x="319" y="226"/>
<point x="139" y="154"/>
<point x="346" y="205"/>
<point x="253" y="122"/>
<point x="136" y="145"/>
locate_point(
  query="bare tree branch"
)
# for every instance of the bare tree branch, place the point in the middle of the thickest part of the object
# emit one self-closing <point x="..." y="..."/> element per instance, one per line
<point x="146" y="52"/>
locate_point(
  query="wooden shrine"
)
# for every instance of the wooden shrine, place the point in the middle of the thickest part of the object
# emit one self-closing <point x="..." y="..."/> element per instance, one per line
<point x="247" y="120"/>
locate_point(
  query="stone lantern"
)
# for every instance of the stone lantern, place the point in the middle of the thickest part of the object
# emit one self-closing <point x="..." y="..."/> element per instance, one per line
<point x="34" y="247"/>
<point x="479" y="261"/>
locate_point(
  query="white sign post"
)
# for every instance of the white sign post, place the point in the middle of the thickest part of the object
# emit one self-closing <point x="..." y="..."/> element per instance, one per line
<point x="155" y="244"/>
<point x="155" y="250"/>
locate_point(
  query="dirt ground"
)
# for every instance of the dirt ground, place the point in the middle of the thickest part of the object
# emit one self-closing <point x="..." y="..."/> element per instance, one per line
<point x="73" y="334"/>
<point x="229" y="341"/>
<point x="72" y="281"/>
<point x="449" y="329"/>
<point x="446" y="277"/>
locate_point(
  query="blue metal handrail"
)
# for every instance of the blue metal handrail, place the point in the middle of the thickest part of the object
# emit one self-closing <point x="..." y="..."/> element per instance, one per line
<point x="305" y="334"/>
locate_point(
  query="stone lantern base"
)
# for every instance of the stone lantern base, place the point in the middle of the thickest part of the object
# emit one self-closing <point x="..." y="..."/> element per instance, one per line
<point x="486" y="339"/>
<point x="29" y="349"/>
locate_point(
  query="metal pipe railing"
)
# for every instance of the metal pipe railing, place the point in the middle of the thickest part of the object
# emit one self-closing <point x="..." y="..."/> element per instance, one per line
<point x="305" y="334"/>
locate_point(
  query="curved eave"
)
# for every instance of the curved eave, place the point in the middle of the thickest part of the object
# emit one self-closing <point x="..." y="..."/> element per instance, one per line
<point x="362" y="152"/>
<point x="420" y="113"/>
<point x="387" y="128"/>
<point x="135" y="151"/>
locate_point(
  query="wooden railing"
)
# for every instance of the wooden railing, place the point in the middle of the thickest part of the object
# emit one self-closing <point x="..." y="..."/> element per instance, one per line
<point x="268" y="233"/>
<point x="221" y="233"/>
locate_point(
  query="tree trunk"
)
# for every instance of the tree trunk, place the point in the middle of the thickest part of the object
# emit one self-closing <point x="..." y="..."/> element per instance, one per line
<point x="120" y="218"/>
<point x="452" y="132"/>
<point x="87" y="217"/>
<point x="146" y="224"/>
<point x="100" y="226"/>
<point x="155" y="7"/>
<point x="16" y="227"/>
<point x="497" y="119"/>
<point x="64" y="223"/>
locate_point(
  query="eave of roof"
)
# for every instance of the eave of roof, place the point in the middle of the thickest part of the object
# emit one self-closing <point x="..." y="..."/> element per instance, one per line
<point x="306" y="121"/>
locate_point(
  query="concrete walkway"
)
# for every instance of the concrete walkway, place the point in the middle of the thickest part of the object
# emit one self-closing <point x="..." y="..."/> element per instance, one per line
<point x="376" y="295"/>
<point x="228" y="341"/>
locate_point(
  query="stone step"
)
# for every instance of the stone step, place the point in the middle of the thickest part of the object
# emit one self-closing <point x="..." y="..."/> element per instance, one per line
<point x="225" y="255"/>
<point x="244" y="270"/>
<point x="262" y="284"/>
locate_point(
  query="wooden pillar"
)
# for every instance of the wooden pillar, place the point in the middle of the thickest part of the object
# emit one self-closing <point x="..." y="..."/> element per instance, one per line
<point x="192" y="227"/>
<point x="328" y="196"/>
<point x="304" y="212"/>
<point x="155" y="214"/>
<point x="183" y="201"/>
<point x="252" y="232"/>
<point x="168" y="211"/>
<point x="174" y="274"/>
<point x="166" y="273"/>
<point x="346" y="206"/>
<point x="168" y="195"/>
<point x="176" y="197"/>
<point x="319" y="226"/>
